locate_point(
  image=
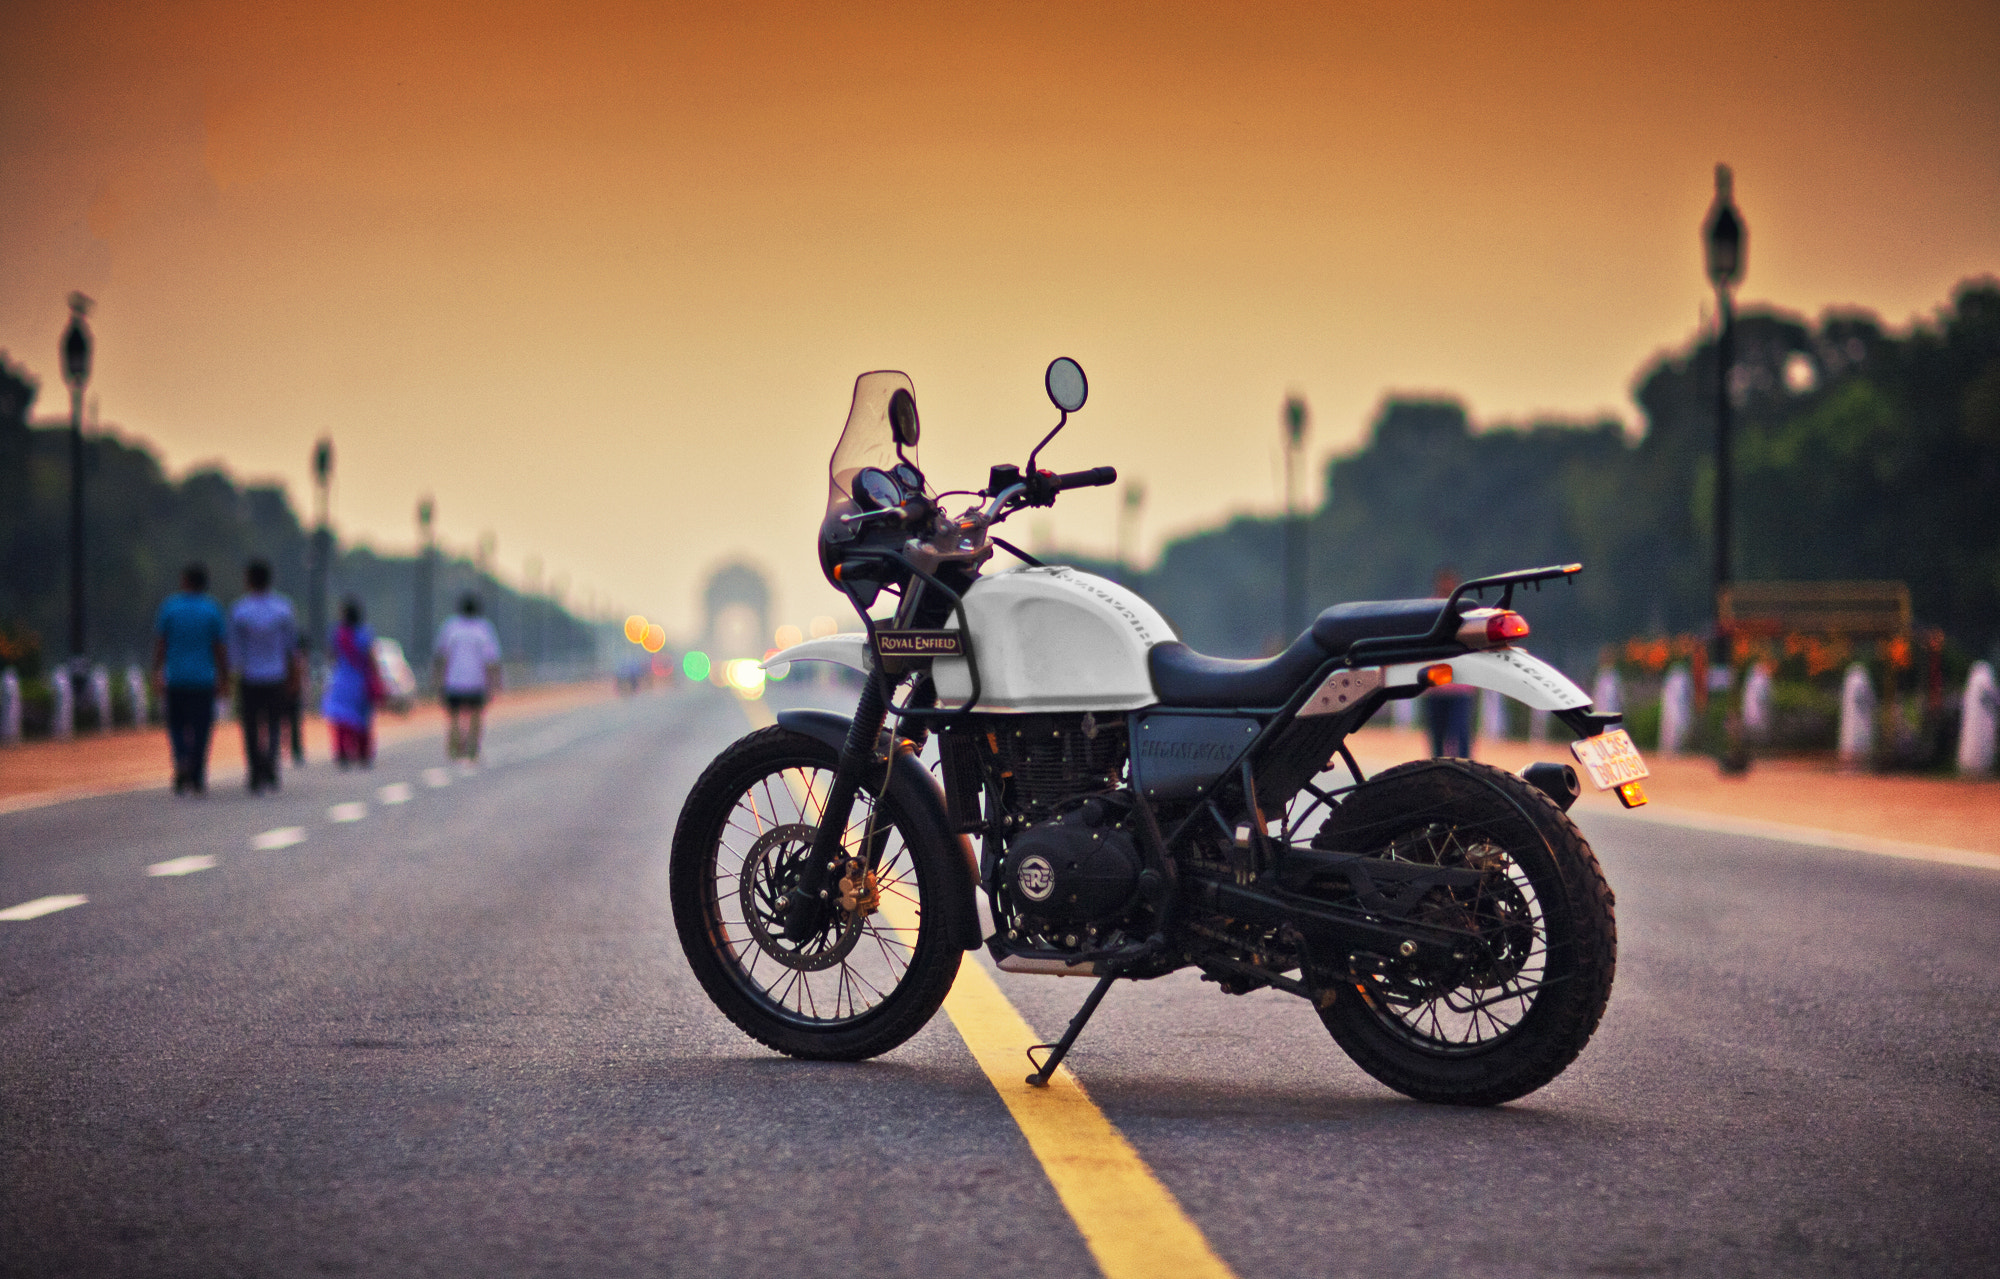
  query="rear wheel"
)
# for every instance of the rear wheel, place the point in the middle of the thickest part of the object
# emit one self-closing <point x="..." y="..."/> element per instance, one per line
<point x="1509" y="1013"/>
<point x="879" y="963"/>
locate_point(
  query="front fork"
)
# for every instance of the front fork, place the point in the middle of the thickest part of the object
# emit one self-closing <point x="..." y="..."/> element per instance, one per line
<point x="809" y="902"/>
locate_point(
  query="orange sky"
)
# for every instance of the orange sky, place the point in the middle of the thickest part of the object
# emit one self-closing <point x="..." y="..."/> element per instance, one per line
<point x="600" y="276"/>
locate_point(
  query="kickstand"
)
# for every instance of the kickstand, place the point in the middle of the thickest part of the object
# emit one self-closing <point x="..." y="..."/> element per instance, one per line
<point x="1060" y="1050"/>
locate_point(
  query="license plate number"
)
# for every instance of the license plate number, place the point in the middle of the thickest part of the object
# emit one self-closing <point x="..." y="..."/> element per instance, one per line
<point x="1610" y="758"/>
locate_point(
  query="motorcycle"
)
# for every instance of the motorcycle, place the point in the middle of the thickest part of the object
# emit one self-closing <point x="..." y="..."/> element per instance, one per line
<point x="1139" y="808"/>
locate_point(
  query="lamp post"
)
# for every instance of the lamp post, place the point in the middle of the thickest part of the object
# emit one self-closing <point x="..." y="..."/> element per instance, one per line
<point x="1723" y="240"/>
<point x="425" y="579"/>
<point x="1134" y="501"/>
<point x="76" y="372"/>
<point x="1296" y="417"/>
<point x="322" y="541"/>
<point x="532" y="616"/>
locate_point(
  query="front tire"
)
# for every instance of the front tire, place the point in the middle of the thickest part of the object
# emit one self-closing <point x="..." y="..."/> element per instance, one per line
<point x="871" y="976"/>
<point x="1511" y="1019"/>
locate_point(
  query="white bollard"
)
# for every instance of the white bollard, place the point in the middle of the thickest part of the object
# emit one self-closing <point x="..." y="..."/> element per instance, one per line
<point x="1676" y="711"/>
<point x="10" y="706"/>
<point x="136" y="693"/>
<point x="62" y="721"/>
<point x="1857" y="716"/>
<point x="1977" y="721"/>
<point x="100" y="697"/>
<point x="1605" y="694"/>
<point x="1757" y="702"/>
<point x="1492" y="716"/>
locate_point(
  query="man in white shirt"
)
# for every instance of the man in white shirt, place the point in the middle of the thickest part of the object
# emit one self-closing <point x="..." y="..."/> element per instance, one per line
<point x="262" y="647"/>
<point x="466" y="665"/>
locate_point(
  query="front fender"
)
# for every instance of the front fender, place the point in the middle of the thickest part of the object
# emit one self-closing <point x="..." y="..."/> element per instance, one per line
<point x="846" y="648"/>
<point x="920" y="798"/>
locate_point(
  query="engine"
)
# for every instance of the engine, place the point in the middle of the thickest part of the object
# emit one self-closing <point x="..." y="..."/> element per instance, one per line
<point x="1071" y="873"/>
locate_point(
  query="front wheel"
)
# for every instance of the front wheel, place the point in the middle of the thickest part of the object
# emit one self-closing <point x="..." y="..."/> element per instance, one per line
<point x="879" y="964"/>
<point x="1516" y="1004"/>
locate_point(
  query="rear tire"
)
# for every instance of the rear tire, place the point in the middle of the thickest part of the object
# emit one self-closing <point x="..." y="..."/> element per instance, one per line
<point x="865" y="982"/>
<point x="1501" y="1028"/>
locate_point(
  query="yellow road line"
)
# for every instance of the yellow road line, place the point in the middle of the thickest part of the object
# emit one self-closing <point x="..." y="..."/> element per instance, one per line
<point x="1133" y="1225"/>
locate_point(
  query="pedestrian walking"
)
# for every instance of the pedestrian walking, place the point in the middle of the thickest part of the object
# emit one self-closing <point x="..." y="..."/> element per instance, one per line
<point x="466" y="665"/>
<point x="190" y="666"/>
<point x="353" y="689"/>
<point x="263" y="637"/>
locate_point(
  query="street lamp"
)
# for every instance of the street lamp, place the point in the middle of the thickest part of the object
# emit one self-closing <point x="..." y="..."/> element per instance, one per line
<point x="76" y="372"/>
<point x="1133" y="503"/>
<point x="1723" y="240"/>
<point x="322" y="539"/>
<point x="1296" y="417"/>
<point x="424" y="575"/>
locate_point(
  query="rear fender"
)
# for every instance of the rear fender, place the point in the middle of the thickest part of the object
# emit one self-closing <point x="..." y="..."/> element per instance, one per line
<point x="1518" y="674"/>
<point x="918" y="795"/>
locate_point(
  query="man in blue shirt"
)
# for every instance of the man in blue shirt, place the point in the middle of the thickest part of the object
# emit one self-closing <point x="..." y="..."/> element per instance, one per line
<point x="189" y="665"/>
<point x="262" y="637"/>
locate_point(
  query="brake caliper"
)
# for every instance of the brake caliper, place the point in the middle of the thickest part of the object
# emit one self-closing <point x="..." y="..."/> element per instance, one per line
<point x="860" y="896"/>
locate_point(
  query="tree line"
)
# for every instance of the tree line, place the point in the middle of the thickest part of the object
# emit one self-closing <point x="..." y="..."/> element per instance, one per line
<point x="1861" y="452"/>
<point x="141" y="527"/>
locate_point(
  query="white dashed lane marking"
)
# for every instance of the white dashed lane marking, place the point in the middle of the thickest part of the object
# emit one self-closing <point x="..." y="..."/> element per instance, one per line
<point x="436" y="777"/>
<point x="283" y="837"/>
<point x="352" y="811"/>
<point x="185" y="865"/>
<point x="41" y="906"/>
<point x="395" y="793"/>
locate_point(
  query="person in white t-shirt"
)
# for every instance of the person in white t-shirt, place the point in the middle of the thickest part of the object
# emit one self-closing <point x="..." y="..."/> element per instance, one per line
<point x="466" y="665"/>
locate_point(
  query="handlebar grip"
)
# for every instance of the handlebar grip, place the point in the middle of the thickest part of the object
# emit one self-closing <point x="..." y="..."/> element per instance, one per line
<point x="1095" y="477"/>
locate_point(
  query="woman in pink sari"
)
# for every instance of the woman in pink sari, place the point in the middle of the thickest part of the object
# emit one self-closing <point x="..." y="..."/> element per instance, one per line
<point x="353" y="687"/>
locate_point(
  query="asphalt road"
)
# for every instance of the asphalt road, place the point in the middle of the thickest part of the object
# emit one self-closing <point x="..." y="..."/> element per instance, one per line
<point x="455" y="1036"/>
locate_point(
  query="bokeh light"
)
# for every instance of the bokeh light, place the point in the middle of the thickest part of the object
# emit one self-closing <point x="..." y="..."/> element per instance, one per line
<point x="746" y="677"/>
<point x="655" y="637"/>
<point x="695" y="665"/>
<point x="789" y="635"/>
<point x="635" y="629"/>
<point x="823" y="626"/>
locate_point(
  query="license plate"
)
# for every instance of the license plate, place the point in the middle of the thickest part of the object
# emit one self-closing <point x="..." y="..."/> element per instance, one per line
<point x="1610" y="758"/>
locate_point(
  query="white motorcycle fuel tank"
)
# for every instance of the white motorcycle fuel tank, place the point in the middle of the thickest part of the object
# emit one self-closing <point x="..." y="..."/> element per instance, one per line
<point x="1054" y="639"/>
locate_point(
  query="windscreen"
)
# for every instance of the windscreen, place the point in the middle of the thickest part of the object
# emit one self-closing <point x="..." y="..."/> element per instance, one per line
<point x="867" y="439"/>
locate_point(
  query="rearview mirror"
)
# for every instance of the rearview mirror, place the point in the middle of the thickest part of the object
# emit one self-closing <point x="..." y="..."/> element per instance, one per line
<point x="903" y="417"/>
<point x="1066" y="384"/>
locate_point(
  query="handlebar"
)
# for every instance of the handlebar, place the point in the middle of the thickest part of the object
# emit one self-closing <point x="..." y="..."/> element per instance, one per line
<point x="1095" y="477"/>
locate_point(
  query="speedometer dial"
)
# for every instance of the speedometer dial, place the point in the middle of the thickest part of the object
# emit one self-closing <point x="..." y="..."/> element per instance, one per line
<point x="876" y="490"/>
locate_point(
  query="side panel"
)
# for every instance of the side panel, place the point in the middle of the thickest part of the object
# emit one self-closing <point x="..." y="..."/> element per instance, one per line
<point x="1174" y="756"/>
<point x="1054" y="639"/>
<point x="917" y="795"/>
<point x="1519" y="674"/>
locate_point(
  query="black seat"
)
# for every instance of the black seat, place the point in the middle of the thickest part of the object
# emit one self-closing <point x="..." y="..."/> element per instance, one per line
<point x="1183" y="677"/>
<point x="1342" y="624"/>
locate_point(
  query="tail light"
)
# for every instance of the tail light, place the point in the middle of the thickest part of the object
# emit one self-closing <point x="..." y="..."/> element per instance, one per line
<point x="1491" y="627"/>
